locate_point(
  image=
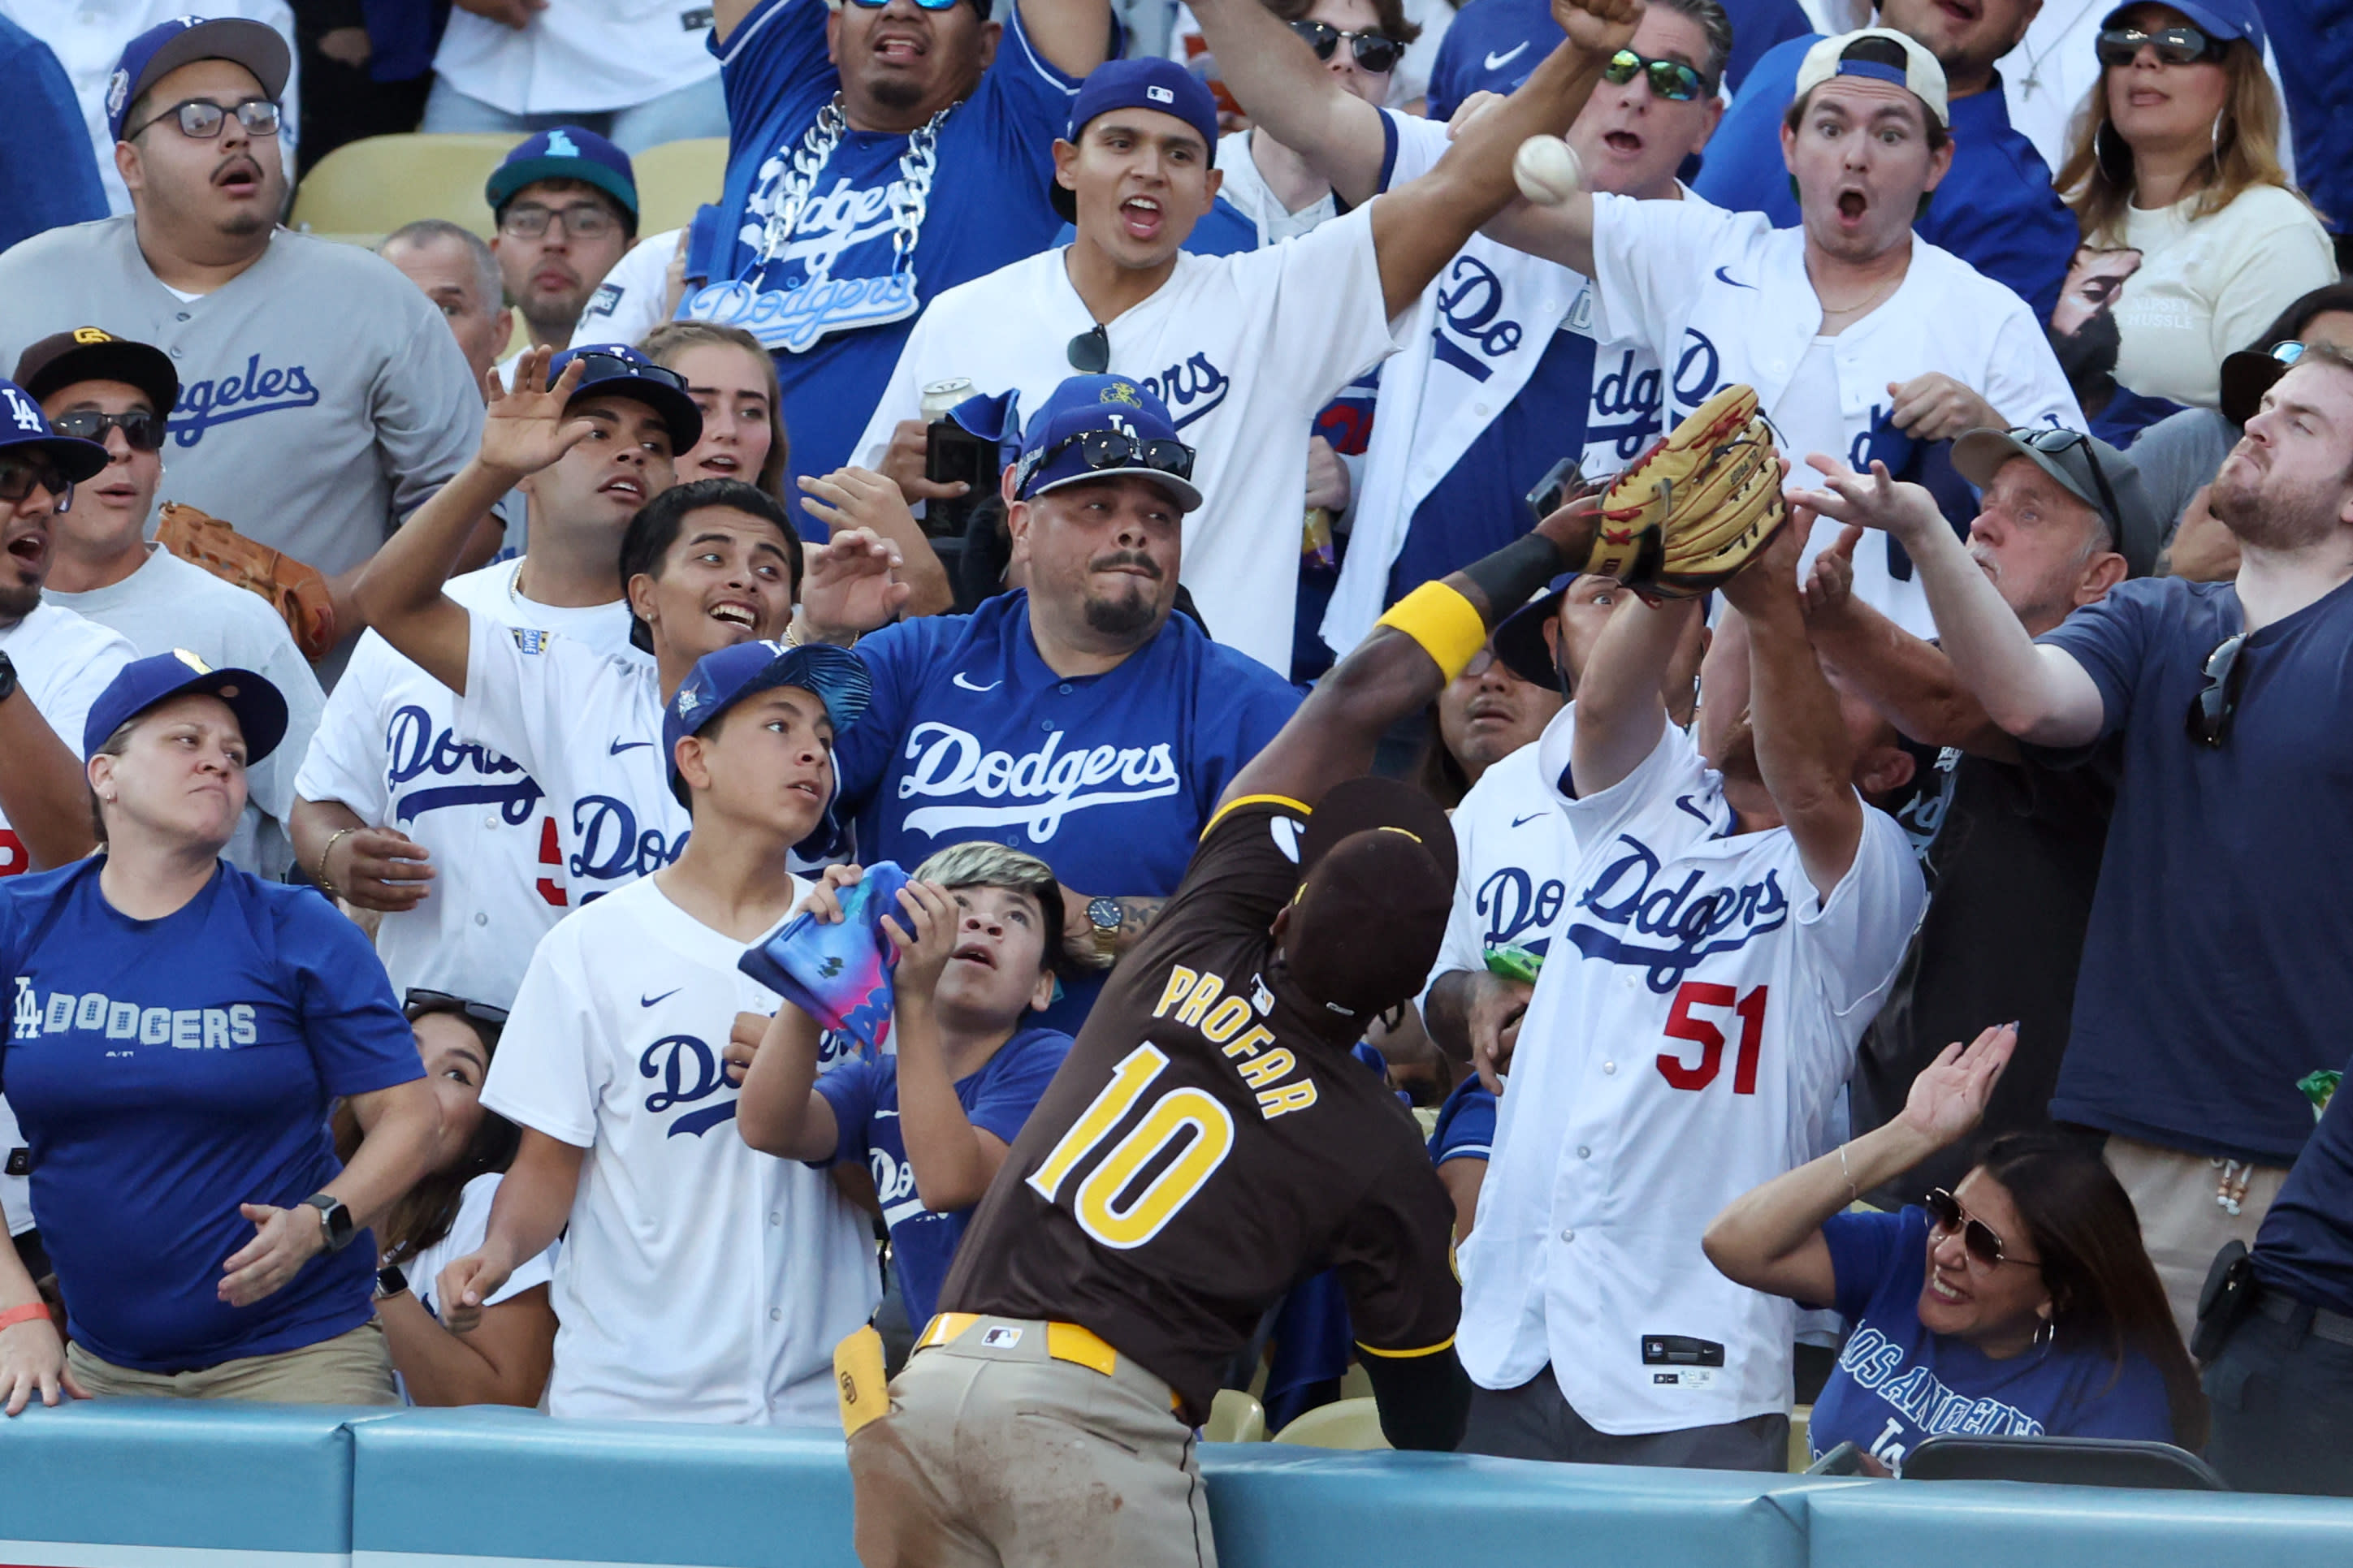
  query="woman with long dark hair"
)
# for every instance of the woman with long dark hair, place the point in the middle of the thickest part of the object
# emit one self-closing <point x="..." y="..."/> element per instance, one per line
<point x="2020" y="1303"/>
<point x="505" y="1360"/>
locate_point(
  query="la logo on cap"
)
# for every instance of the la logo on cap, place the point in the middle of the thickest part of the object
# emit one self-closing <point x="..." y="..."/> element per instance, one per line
<point x="1159" y="95"/>
<point x="559" y="145"/>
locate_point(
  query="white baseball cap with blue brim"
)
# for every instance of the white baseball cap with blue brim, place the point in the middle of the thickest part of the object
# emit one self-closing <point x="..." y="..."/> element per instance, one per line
<point x="1878" y="54"/>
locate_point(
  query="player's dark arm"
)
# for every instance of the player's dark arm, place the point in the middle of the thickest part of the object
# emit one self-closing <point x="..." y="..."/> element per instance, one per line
<point x="43" y="791"/>
<point x="1424" y="1400"/>
<point x="1803" y="750"/>
<point x="1292" y="96"/>
<point x="1397" y="670"/>
<point x="1904" y="677"/>
<point x="1418" y="227"/>
<point x="780" y="1110"/>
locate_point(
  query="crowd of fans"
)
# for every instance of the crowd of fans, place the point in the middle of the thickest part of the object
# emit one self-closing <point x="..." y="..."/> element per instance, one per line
<point x="1901" y="984"/>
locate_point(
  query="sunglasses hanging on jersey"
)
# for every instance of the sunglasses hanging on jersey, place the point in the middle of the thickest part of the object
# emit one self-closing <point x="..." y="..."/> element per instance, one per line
<point x="2217" y="702"/>
<point x="1090" y="352"/>
<point x="1671" y="79"/>
<point x="1374" y="52"/>
<point x="142" y="429"/>
<point x="2175" y="46"/>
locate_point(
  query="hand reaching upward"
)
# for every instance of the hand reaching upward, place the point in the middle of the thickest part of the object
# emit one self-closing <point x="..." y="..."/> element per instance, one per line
<point x="524" y="430"/>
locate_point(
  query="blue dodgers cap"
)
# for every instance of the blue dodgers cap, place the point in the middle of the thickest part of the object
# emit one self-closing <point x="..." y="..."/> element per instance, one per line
<point x="2215" y="19"/>
<point x="184" y="40"/>
<point x="1518" y="637"/>
<point x="566" y="153"/>
<point x="259" y="707"/>
<point x="1161" y="85"/>
<point x="720" y="680"/>
<point x="23" y="426"/>
<point x="617" y="369"/>
<point x="1051" y="456"/>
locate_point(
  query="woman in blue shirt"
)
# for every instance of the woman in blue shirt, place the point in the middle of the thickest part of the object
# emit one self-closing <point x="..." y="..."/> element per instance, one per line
<point x="2020" y="1303"/>
<point x="177" y="1030"/>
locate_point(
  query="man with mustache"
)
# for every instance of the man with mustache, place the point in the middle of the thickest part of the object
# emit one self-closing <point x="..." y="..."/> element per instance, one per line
<point x="321" y="399"/>
<point x="566" y="206"/>
<point x="1075" y="719"/>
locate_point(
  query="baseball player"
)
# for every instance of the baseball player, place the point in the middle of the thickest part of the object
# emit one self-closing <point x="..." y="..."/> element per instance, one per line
<point x="322" y="398"/>
<point x="457" y="844"/>
<point x="1046" y="1415"/>
<point x="1500" y="373"/>
<point x="1735" y="913"/>
<point x="1305" y="318"/>
<point x="704" y="565"/>
<point x="699" y="1281"/>
<point x="1860" y="338"/>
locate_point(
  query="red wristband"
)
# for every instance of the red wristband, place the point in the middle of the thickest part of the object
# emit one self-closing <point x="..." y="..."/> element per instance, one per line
<point x="24" y="1314"/>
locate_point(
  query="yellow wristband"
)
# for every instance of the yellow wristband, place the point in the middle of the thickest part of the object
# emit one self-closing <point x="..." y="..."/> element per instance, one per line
<point x="1446" y="624"/>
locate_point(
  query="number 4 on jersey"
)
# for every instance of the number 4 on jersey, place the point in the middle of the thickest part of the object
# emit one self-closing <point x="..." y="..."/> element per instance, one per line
<point x="1682" y="1026"/>
<point x="1103" y="1207"/>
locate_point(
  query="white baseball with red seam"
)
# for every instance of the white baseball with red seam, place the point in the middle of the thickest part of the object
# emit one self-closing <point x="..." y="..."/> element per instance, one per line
<point x="1547" y="170"/>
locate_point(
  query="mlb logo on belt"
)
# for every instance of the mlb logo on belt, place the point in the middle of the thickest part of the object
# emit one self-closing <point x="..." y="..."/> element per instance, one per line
<point x="1001" y="1338"/>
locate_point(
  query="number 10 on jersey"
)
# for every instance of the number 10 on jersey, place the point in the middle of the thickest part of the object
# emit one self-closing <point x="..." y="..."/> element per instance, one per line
<point x="1681" y="1025"/>
<point x="1104" y="1206"/>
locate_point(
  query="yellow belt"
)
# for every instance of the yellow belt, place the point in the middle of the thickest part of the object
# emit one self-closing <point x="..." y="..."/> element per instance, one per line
<point x="1072" y="1343"/>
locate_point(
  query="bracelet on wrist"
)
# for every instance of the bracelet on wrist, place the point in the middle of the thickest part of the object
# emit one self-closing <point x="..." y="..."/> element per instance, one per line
<point x="30" y="1311"/>
<point x="327" y="883"/>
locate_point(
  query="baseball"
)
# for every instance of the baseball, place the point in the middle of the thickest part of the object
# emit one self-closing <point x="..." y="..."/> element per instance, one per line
<point x="1546" y="171"/>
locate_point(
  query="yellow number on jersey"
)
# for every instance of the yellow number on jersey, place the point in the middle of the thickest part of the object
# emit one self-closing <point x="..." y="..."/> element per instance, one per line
<point x="1097" y="1207"/>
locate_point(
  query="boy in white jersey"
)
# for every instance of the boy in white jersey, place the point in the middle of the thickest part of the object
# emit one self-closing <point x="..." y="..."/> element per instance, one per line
<point x="700" y="1280"/>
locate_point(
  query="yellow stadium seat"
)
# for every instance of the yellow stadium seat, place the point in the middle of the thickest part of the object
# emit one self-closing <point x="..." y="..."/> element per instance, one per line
<point x="1801" y="1449"/>
<point x="675" y="178"/>
<point x="1356" y="1382"/>
<point x="1235" y="1417"/>
<point x="1347" y="1424"/>
<point x="363" y="189"/>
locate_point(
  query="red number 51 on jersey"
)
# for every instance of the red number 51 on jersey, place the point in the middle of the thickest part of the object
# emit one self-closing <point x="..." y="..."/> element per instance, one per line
<point x="1682" y="1026"/>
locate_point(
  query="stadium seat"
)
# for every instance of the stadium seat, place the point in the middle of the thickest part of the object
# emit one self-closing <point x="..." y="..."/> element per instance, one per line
<point x="363" y="189"/>
<point x="1235" y="1417"/>
<point x="2073" y="1461"/>
<point x="1801" y="1451"/>
<point x="1347" y="1424"/>
<point x="675" y="178"/>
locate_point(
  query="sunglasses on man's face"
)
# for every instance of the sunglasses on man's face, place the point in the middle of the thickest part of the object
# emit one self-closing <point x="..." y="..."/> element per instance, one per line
<point x="1977" y="1236"/>
<point x="1671" y="79"/>
<point x="2174" y="46"/>
<point x="143" y="428"/>
<point x="1375" y="52"/>
<point x="200" y="118"/>
<point x="19" y="475"/>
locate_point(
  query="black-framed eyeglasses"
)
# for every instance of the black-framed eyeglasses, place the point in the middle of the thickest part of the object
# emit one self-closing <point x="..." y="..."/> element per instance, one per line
<point x="1375" y="52"/>
<point x="605" y="367"/>
<point x="1100" y="449"/>
<point x="1978" y="1238"/>
<point x="2051" y="443"/>
<point x="1090" y="352"/>
<point x="581" y="220"/>
<point x="2175" y="46"/>
<point x="18" y="475"/>
<point x="420" y="1001"/>
<point x="200" y="118"/>
<point x="2217" y="702"/>
<point x="141" y="427"/>
<point x="1670" y="80"/>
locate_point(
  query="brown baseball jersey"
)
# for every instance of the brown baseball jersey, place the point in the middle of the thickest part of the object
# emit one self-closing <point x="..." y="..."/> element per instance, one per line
<point x="1209" y="1143"/>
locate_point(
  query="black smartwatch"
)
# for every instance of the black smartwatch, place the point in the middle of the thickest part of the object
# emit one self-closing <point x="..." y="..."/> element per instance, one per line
<point x="335" y="1225"/>
<point x="7" y="677"/>
<point x="390" y="1281"/>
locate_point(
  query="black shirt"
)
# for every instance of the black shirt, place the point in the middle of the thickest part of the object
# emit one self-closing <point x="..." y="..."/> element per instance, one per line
<point x="1208" y="1143"/>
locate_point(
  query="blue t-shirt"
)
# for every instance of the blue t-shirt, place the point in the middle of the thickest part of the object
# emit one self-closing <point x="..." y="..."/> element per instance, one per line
<point x="998" y="1099"/>
<point x="2305" y="1245"/>
<point x="1107" y="778"/>
<point x="166" y="1071"/>
<point x="1492" y="45"/>
<point x="832" y="306"/>
<point x="2214" y="972"/>
<point x="49" y="172"/>
<point x="1897" y="1383"/>
<point x="1996" y="209"/>
<point x="1466" y="1124"/>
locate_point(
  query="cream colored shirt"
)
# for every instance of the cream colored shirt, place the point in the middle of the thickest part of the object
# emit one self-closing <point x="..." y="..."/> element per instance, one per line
<point x="2208" y="288"/>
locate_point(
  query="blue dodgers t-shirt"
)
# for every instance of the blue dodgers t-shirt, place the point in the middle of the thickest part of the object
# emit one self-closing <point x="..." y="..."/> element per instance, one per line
<point x="1492" y="45"/>
<point x="998" y="1099"/>
<point x="837" y="304"/>
<point x="1996" y="209"/>
<point x="1107" y="778"/>
<point x="1466" y="1124"/>
<point x="2305" y="1245"/>
<point x="2214" y="973"/>
<point x="1897" y="1383"/>
<point x="166" y="1071"/>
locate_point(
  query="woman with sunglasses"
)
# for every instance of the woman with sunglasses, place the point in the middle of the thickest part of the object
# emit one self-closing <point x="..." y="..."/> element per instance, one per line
<point x="2020" y="1303"/>
<point x="2176" y="164"/>
<point x="505" y="1360"/>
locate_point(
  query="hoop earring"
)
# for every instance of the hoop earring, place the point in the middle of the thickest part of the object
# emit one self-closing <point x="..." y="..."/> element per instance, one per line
<point x="2214" y="137"/>
<point x="2046" y="1335"/>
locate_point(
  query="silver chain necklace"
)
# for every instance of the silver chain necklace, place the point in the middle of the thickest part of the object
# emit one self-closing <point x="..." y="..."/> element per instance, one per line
<point x="2033" y="82"/>
<point x="910" y="193"/>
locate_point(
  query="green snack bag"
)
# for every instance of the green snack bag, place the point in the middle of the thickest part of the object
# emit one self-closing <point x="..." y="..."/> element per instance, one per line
<point x="1514" y="962"/>
<point x="2319" y="1087"/>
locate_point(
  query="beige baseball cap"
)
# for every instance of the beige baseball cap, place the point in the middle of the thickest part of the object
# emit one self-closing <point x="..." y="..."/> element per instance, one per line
<point x="1882" y="54"/>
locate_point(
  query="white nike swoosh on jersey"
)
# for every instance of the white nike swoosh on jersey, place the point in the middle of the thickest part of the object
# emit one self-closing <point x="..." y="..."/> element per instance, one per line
<point x="880" y="1114"/>
<point x="959" y="680"/>
<point x="1497" y="62"/>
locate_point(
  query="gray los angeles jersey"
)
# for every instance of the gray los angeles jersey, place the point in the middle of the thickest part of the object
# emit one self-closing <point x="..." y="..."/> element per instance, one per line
<point x="323" y="397"/>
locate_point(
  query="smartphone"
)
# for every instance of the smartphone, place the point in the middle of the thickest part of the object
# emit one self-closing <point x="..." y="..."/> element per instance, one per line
<point x="1562" y="483"/>
<point x="953" y="454"/>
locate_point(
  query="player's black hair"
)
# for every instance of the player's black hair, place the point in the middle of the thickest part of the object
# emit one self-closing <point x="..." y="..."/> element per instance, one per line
<point x="655" y="528"/>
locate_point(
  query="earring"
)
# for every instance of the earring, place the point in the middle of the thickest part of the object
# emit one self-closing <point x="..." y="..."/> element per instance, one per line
<point x="2214" y="136"/>
<point x="2045" y="1334"/>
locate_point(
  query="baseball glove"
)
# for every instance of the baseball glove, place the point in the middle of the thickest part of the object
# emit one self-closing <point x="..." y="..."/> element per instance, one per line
<point x="1693" y="510"/>
<point x="295" y="590"/>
